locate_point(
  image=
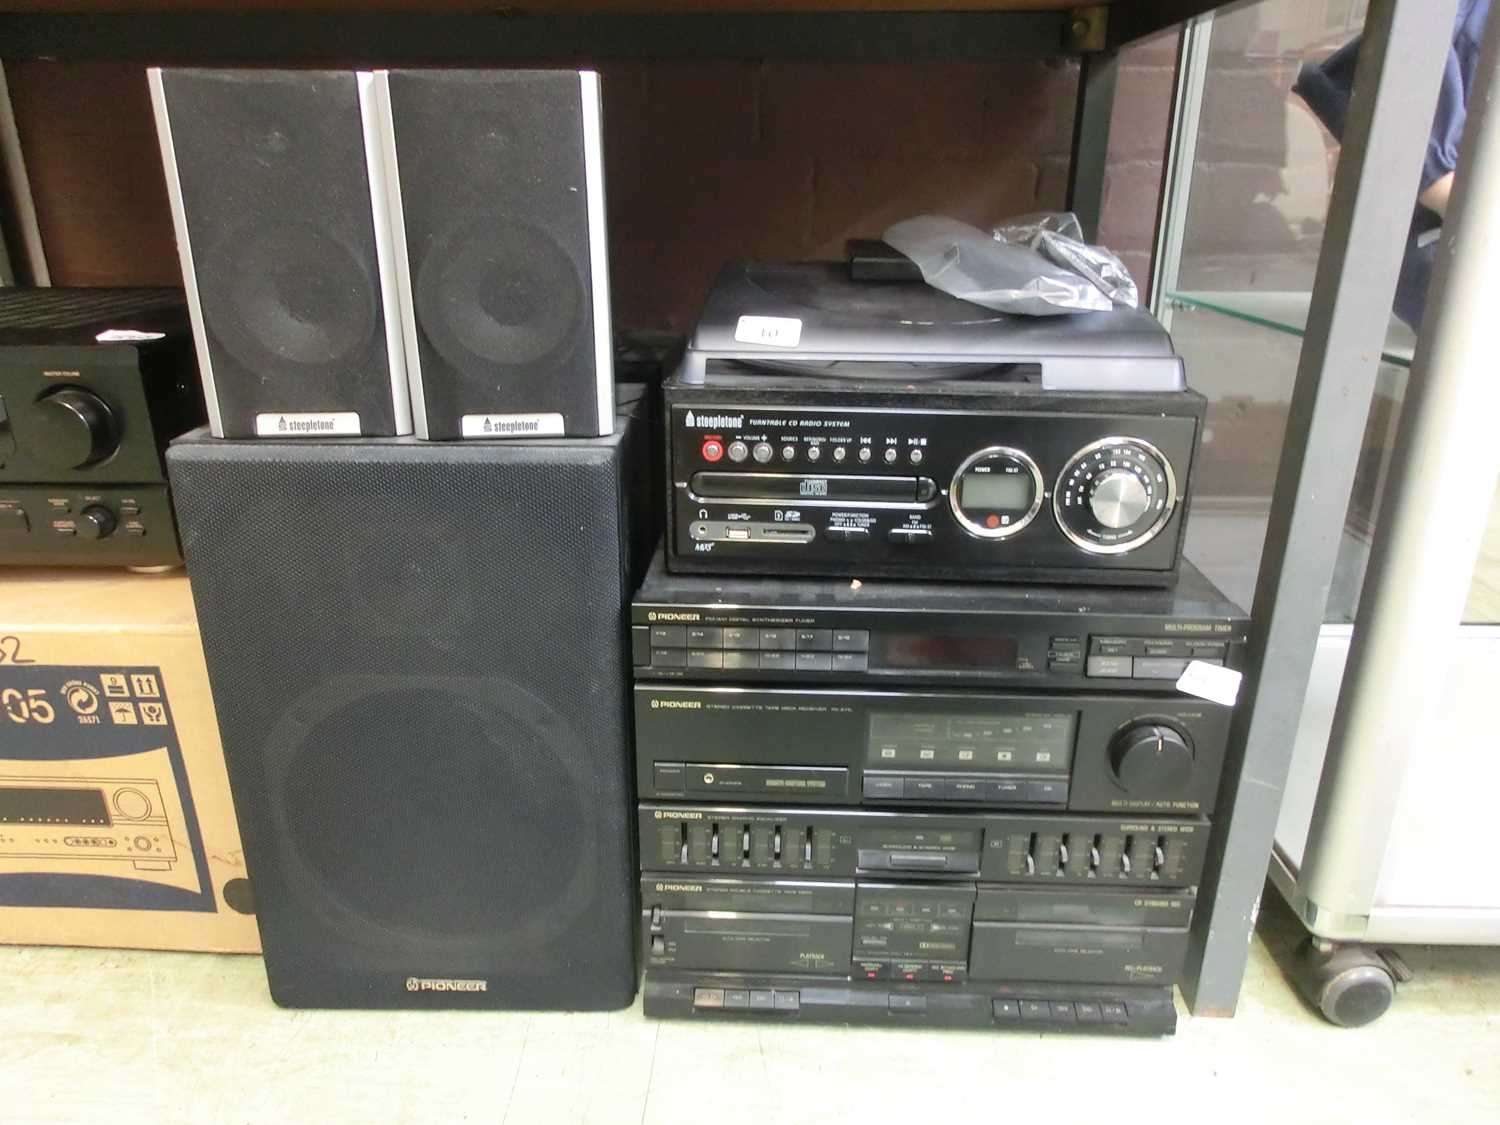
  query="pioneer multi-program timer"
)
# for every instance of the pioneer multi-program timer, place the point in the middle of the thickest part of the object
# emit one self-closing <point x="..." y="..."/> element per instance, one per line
<point x="995" y="816"/>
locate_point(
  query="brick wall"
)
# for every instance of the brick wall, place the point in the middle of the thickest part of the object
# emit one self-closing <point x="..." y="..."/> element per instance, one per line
<point x="705" y="161"/>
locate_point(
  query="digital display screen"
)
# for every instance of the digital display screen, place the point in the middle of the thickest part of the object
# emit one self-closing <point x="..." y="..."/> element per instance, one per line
<point x="947" y="650"/>
<point x="29" y="805"/>
<point x="1004" y="492"/>
<point x="1034" y="742"/>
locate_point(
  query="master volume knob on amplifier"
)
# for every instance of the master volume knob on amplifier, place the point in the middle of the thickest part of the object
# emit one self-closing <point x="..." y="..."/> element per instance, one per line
<point x="73" y="428"/>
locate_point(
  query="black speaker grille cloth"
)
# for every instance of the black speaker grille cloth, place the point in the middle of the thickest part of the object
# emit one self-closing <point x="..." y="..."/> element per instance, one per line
<point x="493" y="191"/>
<point x="417" y="658"/>
<point x="272" y="171"/>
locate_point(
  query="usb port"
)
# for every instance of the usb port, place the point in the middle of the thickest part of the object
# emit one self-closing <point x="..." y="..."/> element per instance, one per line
<point x="736" y="533"/>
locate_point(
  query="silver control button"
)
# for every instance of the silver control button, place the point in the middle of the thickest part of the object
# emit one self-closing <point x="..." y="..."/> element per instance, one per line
<point x="890" y="456"/>
<point x="916" y="456"/>
<point x="788" y="452"/>
<point x="814" y="452"/>
<point x="865" y="454"/>
<point x="761" y="452"/>
<point x="840" y="452"/>
<point x="738" y="451"/>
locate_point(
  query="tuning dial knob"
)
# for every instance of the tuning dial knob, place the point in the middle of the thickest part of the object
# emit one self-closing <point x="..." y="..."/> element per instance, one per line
<point x="1118" y="499"/>
<point x="1152" y="758"/>
<point x="72" y="428"/>
<point x="95" y="522"/>
<point x="1115" y="495"/>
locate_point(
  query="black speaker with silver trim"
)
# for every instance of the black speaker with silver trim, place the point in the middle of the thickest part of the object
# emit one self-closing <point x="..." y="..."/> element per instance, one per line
<point x="418" y="657"/>
<point x="278" y="197"/>
<point x="497" y="218"/>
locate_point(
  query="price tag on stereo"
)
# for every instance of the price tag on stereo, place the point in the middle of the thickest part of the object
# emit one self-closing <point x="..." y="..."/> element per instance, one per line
<point x="774" y="331"/>
<point x="1211" y="682"/>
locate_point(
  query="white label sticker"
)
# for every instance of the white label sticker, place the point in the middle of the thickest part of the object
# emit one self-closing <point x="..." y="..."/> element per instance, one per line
<point x="1213" y="682"/>
<point x="774" y="331"/>
<point x="127" y="336"/>
<point x="511" y="425"/>
<point x="342" y="424"/>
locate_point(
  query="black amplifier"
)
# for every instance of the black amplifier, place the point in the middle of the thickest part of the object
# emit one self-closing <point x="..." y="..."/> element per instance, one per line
<point x="1082" y="753"/>
<point x="750" y="629"/>
<point x="93" y="385"/>
<point x="693" y="841"/>
<point x="798" y="475"/>
<point x="948" y="933"/>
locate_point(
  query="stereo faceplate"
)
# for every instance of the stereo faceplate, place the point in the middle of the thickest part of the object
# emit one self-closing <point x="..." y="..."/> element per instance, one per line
<point x="1093" y="1009"/>
<point x="1030" y="850"/>
<point x="781" y="476"/>
<point x="811" y="630"/>
<point x="1088" y="753"/>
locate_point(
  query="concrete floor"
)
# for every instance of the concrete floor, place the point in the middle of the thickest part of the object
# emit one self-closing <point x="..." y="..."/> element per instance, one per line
<point x="125" y="1037"/>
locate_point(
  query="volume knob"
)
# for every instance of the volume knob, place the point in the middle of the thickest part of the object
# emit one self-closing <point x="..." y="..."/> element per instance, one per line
<point x="1153" y="759"/>
<point x="72" y="428"/>
<point x="1118" y="499"/>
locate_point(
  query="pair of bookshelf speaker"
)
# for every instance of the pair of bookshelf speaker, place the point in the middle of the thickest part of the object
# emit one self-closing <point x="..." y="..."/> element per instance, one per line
<point x="389" y="252"/>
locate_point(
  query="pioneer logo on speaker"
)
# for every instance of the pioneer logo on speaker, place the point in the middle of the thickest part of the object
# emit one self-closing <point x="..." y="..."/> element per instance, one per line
<point x="667" y="615"/>
<point x="690" y="888"/>
<point x="676" y="704"/>
<point x="441" y="984"/>
<point x="715" y="421"/>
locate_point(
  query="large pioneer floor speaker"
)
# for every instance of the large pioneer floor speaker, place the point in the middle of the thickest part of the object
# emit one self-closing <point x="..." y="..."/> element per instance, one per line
<point x="418" y="660"/>
<point x="278" y="197"/>
<point x="497" y="196"/>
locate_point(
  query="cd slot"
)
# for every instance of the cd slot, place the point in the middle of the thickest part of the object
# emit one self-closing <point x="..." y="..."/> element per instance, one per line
<point x="805" y="487"/>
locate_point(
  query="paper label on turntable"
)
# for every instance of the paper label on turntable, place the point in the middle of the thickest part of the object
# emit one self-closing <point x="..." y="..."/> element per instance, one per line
<point x="1213" y="682"/>
<point x="773" y="331"/>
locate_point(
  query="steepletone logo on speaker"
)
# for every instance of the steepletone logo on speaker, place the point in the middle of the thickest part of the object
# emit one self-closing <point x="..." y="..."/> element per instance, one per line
<point x="340" y="424"/>
<point x="510" y="425"/>
<point x="445" y="984"/>
<point x="695" y="421"/>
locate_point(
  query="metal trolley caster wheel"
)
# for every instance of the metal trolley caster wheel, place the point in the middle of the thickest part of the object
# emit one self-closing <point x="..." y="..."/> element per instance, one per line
<point x="1352" y="985"/>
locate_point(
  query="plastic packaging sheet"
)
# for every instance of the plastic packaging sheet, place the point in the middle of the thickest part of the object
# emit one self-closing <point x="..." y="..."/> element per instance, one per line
<point x="1034" y="265"/>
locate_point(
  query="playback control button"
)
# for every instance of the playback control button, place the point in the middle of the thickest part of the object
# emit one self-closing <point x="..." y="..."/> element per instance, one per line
<point x="964" y="788"/>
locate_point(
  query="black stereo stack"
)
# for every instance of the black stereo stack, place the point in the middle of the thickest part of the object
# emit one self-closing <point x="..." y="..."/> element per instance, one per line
<point x="916" y="736"/>
<point x="910" y="745"/>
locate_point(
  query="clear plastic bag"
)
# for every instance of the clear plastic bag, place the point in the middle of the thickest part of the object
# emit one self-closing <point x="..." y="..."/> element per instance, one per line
<point x="1034" y="270"/>
<point x="1058" y="237"/>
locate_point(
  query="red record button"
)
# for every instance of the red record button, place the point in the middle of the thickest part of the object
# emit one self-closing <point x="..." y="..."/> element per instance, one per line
<point x="713" y="449"/>
<point x="992" y="520"/>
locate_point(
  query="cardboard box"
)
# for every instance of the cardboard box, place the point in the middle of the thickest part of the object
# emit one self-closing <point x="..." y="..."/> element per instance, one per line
<point x="116" y="824"/>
